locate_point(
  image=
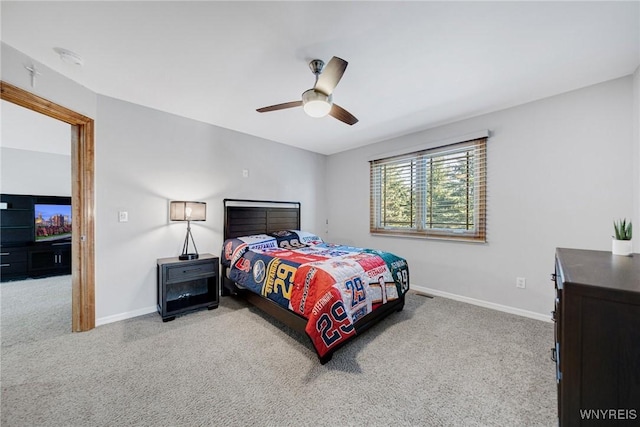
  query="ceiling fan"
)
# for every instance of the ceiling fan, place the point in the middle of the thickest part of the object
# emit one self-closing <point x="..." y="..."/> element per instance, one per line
<point x="318" y="101"/>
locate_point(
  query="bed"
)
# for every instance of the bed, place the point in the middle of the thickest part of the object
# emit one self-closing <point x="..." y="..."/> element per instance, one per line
<point x="330" y="292"/>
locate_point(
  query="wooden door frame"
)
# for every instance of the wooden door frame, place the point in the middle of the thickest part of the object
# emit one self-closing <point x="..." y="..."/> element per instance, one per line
<point x="83" y="317"/>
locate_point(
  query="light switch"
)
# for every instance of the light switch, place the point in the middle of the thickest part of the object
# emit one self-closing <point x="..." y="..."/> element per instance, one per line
<point x="123" y="216"/>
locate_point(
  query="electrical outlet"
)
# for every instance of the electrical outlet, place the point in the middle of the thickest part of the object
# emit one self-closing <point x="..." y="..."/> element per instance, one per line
<point x="123" y="216"/>
<point x="521" y="282"/>
<point x="245" y="173"/>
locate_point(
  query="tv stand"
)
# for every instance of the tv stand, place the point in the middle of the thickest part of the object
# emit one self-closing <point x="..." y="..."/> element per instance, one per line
<point x="49" y="259"/>
<point x="33" y="261"/>
<point x="21" y="257"/>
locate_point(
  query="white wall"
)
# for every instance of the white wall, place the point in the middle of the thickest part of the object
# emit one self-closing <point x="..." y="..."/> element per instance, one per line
<point x="33" y="172"/>
<point x="559" y="171"/>
<point x="49" y="84"/>
<point x="145" y="158"/>
<point x="636" y="156"/>
<point x="56" y="88"/>
<point x="34" y="153"/>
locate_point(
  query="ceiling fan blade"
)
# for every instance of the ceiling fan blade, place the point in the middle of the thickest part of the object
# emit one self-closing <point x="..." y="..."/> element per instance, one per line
<point x="331" y="75"/>
<point x="343" y="115"/>
<point x="291" y="104"/>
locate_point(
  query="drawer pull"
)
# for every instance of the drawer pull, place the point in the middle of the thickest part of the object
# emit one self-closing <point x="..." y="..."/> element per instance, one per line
<point x="5" y="265"/>
<point x="5" y="253"/>
<point x="193" y="269"/>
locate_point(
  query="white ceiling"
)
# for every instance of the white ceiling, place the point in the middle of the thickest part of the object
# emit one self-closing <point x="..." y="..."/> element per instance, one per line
<point x="412" y="65"/>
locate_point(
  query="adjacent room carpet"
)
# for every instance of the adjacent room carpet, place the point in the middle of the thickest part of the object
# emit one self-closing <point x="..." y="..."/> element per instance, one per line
<point x="439" y="362"/>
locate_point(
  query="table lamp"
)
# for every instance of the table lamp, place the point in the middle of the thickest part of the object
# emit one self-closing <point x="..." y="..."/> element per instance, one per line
<point x="188" y="211"/>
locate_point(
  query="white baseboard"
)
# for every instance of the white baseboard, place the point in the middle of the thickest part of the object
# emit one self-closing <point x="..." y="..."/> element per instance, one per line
<point x="127" y="315"/>
<point x="421" y="289"/>
<point x="486" y="304"/>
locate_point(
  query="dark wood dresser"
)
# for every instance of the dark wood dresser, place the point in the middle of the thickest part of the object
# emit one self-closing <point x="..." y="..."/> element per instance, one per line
<point x="597" y="334"/>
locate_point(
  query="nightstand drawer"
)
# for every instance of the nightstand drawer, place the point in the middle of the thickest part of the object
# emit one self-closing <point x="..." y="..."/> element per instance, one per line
<point x="186" y="272"/>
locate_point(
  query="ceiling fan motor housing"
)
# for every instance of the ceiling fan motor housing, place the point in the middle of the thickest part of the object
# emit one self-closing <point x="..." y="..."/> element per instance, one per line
<point x="316" y="66"/>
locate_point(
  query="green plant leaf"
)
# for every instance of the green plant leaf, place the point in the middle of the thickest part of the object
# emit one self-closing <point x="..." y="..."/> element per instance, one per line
<point x="623" y="229"/>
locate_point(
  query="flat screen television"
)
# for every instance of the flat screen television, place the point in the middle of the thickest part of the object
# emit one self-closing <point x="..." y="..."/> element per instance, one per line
<point x="52" y="222"/>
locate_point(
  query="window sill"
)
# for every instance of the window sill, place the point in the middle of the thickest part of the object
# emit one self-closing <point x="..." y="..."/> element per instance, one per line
<point x="414" y="235"/>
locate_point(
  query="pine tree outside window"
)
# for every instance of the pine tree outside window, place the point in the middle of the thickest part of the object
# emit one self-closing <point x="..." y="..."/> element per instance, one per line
<point x="434" y="193"/>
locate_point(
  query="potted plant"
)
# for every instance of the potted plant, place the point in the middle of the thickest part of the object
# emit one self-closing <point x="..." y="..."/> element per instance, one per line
<point x="622" y="240"/>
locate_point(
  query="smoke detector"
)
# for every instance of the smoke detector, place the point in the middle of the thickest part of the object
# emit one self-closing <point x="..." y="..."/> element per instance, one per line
<point x="68" y="56"/>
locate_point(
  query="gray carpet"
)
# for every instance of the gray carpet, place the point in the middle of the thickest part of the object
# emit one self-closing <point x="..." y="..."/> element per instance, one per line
<point x="437" y="363"/>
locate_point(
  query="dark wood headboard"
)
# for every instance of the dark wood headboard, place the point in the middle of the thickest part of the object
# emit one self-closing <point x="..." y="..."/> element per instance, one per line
<point x="248" y="217"/>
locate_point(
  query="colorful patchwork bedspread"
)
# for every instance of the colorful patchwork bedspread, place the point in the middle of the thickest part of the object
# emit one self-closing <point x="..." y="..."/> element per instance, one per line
<point x="330" y="285"/>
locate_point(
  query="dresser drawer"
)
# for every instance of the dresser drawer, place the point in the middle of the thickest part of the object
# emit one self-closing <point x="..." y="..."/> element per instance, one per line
<point x="187" y="272"/>
<point x="9" y="255"/>
<point x="13" y="267"/>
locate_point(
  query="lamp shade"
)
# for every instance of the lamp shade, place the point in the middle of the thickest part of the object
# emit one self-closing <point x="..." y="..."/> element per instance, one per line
<point x="188" y="211"/>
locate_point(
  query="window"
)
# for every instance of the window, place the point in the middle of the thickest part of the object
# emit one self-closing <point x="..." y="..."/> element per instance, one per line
<point x="437" y="193"/>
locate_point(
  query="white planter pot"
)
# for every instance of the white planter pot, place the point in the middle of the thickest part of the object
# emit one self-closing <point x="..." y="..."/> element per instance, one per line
<point x="621" y="247"/>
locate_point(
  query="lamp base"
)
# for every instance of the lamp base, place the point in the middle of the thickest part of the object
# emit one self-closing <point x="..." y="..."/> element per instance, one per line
<point x="184" y="257"/>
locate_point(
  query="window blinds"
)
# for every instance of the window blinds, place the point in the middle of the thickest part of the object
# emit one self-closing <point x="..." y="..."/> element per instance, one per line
<point x="439" y="192"/>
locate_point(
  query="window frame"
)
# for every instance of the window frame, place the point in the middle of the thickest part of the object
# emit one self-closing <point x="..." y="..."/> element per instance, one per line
<point x="420" y="191"/>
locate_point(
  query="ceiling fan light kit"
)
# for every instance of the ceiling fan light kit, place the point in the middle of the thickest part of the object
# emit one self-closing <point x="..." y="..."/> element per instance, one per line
<point x="316" y="104"/>
<point x="318" y="101"/>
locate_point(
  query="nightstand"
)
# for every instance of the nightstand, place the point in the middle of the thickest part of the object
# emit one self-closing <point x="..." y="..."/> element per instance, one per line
<point x="185" y="286"/>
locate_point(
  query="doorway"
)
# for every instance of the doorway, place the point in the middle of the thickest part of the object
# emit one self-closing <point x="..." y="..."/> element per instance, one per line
<point x="82" y="195"/>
